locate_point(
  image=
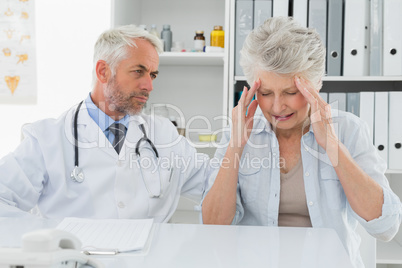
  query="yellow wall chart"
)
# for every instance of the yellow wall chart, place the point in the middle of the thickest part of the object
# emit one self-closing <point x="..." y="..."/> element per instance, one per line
<point x="17" y="52"/>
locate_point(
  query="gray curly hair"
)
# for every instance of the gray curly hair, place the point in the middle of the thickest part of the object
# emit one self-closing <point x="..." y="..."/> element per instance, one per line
<point x="280" y="45"/>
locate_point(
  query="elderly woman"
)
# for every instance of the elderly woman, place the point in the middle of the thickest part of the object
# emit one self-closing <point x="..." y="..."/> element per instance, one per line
<point x="295" y="162"/>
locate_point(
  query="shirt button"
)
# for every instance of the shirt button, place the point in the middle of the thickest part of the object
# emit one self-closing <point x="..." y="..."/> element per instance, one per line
<point x="121" y="205"/>
<point x="307" y="174"/>
<point x="311" y="203"/>
<point x="306" y="149"/>
<point x="119" y="163"/>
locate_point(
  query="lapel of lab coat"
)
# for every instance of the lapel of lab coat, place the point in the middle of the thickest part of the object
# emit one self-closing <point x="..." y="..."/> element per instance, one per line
<point x="89" y="134"/>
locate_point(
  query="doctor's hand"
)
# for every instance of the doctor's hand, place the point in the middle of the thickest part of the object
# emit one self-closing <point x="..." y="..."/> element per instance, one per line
<point x="320" y="114"/>
<point x="242" y="118"/>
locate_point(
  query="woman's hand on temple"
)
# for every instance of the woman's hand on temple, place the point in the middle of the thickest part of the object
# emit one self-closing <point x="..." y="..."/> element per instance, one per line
<point x="242" y="118"/>
<point x="320" y="114"/>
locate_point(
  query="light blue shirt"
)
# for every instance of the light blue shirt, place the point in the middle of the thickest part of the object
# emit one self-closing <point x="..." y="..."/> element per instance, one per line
<point x="258" y="189"/>
<point x="102" y="119"/>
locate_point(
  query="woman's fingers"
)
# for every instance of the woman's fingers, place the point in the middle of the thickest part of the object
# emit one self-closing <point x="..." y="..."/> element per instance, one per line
<point x="256" y="85"/>
<point x="309" y="92"/>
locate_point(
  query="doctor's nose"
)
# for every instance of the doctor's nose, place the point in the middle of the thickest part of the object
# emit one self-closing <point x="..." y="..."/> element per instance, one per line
<point x="147" y="84"/>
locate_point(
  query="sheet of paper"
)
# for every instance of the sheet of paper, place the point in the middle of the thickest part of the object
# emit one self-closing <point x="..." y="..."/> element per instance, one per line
<point x="121" y="235"/>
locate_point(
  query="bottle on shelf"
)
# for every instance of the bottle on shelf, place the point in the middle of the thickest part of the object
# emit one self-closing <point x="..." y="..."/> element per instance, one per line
<point x="218" y="37"/>
<point x="166" y="36"/>
<point x="199" y="41"/>
<point x="154" y="31"/>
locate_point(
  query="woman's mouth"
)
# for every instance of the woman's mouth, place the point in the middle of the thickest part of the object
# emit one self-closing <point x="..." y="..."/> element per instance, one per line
<point x="283" y="117"/>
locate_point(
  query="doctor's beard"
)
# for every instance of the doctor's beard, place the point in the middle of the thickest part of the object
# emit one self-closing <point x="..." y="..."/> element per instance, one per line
<point x="121" y="102"/>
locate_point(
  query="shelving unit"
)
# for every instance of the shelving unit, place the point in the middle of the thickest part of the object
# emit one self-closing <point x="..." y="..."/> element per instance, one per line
<point x="191" y="58"/>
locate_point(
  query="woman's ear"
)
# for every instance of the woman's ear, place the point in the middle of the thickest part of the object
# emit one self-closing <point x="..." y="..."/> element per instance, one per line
<point x="102" y="71"/>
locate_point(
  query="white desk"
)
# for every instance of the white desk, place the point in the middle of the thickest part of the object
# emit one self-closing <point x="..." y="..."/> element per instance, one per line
<point x="187" y="245"/>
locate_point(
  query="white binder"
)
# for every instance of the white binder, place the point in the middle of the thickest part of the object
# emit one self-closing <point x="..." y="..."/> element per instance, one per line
<point x="381" y="124"/>
<point x="356" y="38"/>
<point x="337" y="100"/>
<point x="376" y="48"/>
<point x="262" y="11"/>
<point x="395" y="130"/>
<point x="300" y="12"/>
<point x="353" y="103"/>
<point x="367" y="110"/>
<point x="317" y="18"/>
<point x="280" y="8"/>
<point x="244" y="25"/>
<point x="324" y="96"/>
<point x="392" y="49"/>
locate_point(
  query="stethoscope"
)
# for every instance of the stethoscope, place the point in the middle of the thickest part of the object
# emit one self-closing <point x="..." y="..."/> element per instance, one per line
<point x="77" y="175"/>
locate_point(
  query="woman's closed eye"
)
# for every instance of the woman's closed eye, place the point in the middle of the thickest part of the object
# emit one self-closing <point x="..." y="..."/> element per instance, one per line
<point x="291" y="93"/>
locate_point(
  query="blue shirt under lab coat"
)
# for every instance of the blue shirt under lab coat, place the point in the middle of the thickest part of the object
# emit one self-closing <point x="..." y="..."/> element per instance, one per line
<point x="258" y="189"/>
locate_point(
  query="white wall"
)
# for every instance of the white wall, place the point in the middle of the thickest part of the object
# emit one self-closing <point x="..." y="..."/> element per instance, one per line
<point x="66" y="33"/>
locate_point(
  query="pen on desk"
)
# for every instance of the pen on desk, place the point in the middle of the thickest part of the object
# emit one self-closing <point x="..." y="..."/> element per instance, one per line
<point x="100" y="252"/>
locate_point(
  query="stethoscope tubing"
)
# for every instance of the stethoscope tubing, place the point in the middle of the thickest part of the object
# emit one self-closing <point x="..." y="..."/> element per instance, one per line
<point x="76" y="135"/>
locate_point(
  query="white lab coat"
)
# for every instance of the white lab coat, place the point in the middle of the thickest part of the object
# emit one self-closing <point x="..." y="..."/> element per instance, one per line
<point x="38" y="172"/>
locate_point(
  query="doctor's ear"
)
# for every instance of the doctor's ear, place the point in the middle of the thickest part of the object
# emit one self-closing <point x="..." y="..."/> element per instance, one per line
<point x="102" y="71"/>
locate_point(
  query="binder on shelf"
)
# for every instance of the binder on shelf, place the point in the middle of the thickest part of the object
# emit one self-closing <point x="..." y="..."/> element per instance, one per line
<point x="376" y="46"/>
<point x="381" y="124"/>
<point x="317" y="18"/>
<point x="244" y="25"/>
<point x="262" y="11"/>
<point x="392" y="56"/>
<point x="300" y="11"/>
<point x="356" y="38"/>
<point x="337" y="100"/>
<point x="280" y="8"/>
<point x="334" y="41"/>
<point x="353" y="103"/>
<point x="367" y="110"/>
<point x="324" y="96"/>
<point x="395" y="130"/>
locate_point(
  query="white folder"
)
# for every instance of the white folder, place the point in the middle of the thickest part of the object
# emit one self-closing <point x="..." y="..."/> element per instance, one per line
<point x="244" y="25"/>
<point x="324" y="96"/>
<point x="300" y="12"/>
<point x="317" y="18"/>
<point x="262" y="11"/>
<point x="381" y="124"/>
<point x="337" y="100"/>
<point x="395" y="130"/>
<point x="392" y="56"/>
<point x="353" y="103"/>
<point x="376" y="46"/>
<point x="280" y="8"/>
<point x="356" y="38"/>
<point x="367" y="110"/>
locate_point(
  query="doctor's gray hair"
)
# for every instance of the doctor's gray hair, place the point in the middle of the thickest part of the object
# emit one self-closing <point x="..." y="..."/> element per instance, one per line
<point x="112" y="45"/>
<point x="280" y="45"/>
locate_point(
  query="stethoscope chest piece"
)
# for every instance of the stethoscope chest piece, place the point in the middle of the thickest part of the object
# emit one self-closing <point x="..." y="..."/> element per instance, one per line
<point x="77" y="175"/>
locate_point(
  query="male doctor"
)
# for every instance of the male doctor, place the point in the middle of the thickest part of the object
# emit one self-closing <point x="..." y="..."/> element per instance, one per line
<point x="103" y="158"/>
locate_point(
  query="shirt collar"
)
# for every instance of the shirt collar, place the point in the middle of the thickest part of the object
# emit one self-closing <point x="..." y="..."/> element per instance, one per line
<point x="100" y="118"/>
